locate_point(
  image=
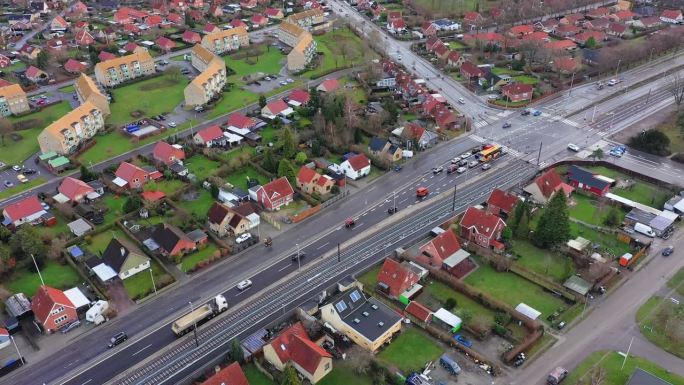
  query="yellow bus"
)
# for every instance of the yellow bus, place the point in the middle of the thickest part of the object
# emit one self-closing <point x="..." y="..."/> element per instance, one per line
<point x="489" y="152"/>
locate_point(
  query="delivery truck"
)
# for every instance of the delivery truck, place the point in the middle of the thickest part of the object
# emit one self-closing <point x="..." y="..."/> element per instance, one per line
<point x="199" y="316"/>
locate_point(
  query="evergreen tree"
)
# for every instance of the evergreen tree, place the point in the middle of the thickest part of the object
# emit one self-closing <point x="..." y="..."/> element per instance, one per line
<point x="42" y="60"/>
<point x="554" y="225"/>
<point x="286" y="169"/>
<point x="522" y="231"/>
<point x="287" y="143"/>
<point x="262" y="101"/>
<point x="290" y="376"/>
<point x="300" y="158"/>
<point x="236" y="353"/>
<point x="590" y="43"/>
<point x="133" y="203"/>
<point x="214" y="191"/>
<point x="189" y="20"/>
<point x="269" y="163"/>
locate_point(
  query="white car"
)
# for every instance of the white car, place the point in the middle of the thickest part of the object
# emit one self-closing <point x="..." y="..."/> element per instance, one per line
<point x="243" y="238"/>
<point x="613" y="82"/>
<point x="473" y="163"/>
<point x="244" y="284"/>
<point x="172" y="124"/>
<point x="466" y="155"/>
<point x="573" y="147"/>
<point x="456" y="160"/>
<point x="461" y="101"/>
<point x="16" y="168"/>
<point x="461" y="170"/>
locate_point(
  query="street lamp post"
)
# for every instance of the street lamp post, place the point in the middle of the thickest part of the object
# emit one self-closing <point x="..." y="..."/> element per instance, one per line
<point x="152" y="278"/>
<point x="299" y="265"/>
<point x="617" y="69"/>
<point x="194" y="329"/>
<point x="612" y="118"/>
<point x="593" y="115"/>
<point x="572" y="81"/>
<point x="17" y="349"/>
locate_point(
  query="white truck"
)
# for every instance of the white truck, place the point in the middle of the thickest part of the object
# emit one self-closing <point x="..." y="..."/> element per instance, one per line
<point x="200" y="315"/>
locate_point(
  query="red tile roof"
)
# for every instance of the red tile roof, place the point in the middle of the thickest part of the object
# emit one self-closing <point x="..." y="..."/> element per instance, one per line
<point x="670" y="14"/>
<point x="45" y="299"/>
<point x="127" y="171"/>
<point x="272" y="12"/>
<point x="191" y="37"/>
<point x="583" y="37"/>
<point x="83" y="37"/>
<point x="419" y="311"/>
<point x="397" y="278"/>
<point x="523" y="29"/>
<point x="259" y="19"/>
<point x="73" y="188"/>
<point x="153" y="196"/>
<point x="415" y="130"/>
<point x="502" y="200"/>
<point x="536" y="36"/>
<point x="398" y="24"/>
<point x="560" y="44"/>
<point x="330" y="85"/>
<point x="549" y="182"/>
<point x="277" y="106"/>
<point x="211" y="133"/>
<point x="230" y="375"/>
<point x="306" y="353"/>
<point x="32" y="72"/>
<point x="471" y="17"/>
<point x="240" y="120"/>
<point x="483" y="222"/>
<point x="165" y="43"/>
<point x="278" y="188"/>
<point x="300" y="95"/>
<point x="153" y="20"/>
<point x="163" y="151"/>
<point x="209" y="28"/>
<point x="237" y="23"/>
<point x="130" y="47"/>
<point x="306" y="175"/>
<point x="24" y="208"/>
<point x="104" y="55"/>
<point x="283" y="339"/>
<point x="625" y="15"/>
<point x="74" y="66"/>
<point x="358" y="162"/>
<point x="517" y="88"/>
<point x="440" y="248"/>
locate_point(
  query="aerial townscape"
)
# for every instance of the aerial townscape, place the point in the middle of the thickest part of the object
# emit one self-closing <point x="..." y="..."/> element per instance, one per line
<point x="341" y="192"/>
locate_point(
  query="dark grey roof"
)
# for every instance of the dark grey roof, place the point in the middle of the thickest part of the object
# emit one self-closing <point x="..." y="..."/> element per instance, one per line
<point x="17" y="305"/>
<point x="584" y="176"/>
<point x="177" y="167"/>
<point x="376" y="144"/>
<point x="167" y="237"/>
<point x="640" y="216"/>
<point x="96" y="184"/>
<point x="642" y="377"/>
<point x="197" y="235"/>
<point x="114" y="255"/>
<point x="646" y="11"/>
<point x="368" y="316"/>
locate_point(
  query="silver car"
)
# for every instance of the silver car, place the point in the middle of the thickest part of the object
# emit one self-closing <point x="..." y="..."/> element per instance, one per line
<point x="243" y="285"/>
<point x="473" y="163"/>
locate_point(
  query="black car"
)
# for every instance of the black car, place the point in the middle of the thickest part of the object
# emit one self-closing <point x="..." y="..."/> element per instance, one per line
<point x="29" y="171"/>
<point x="293" y="257"/>
<point x="668" y="251"/>
<point x="117" y="339"/>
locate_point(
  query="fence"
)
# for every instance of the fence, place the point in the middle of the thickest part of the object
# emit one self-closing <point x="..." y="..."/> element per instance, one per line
<point x="305" y="214"/>
<point x="270" y="220"/>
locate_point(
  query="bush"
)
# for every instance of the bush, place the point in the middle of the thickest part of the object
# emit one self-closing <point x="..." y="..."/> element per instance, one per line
<point x="651" y="141"/>
<point x="450" y="303"/>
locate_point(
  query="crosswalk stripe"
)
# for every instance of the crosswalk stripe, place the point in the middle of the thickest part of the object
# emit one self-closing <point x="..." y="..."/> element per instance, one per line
<point x="477" y="138"/>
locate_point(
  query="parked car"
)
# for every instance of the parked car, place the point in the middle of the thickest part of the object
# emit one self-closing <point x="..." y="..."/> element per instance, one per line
<point x="30" y="171"/>
<point x="45" y="206"/>
<point x="244" y="237"/>
<point x="41" y="102"/>
<point x="243" y="285"/>
<point x="437" y="170"/>
<point x="507" y="125"/>
<point x="486" y="166"/>
<point x="452" y="168"/>
<point x="22" y="178"/>
<point x="667" y="251"/>
<point x="573" y="147"/>
<point x="172" y="124"/>
<point x="463" y="341"/>
<point x="461" y="101"/>
<point x="16" y="168"/>
<point x="473" y="163"/>
<point x="70" y="327"/>
<point x="613" y="82"/>
<point x="117" y="339"/>
<point x="8" y="184"/>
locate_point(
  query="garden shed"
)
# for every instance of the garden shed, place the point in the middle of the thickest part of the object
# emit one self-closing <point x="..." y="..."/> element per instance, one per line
<point x="447" y="319"/>
<point x="528" y="311"/>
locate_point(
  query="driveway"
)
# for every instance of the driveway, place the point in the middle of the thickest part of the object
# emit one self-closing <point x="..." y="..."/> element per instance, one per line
<point x="117" y="294"/>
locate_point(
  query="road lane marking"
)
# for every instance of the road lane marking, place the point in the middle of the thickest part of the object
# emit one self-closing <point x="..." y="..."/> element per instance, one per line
<point x="139" y="351"/>
<point x="279" y="270"/>
<point x="323" y="245"/>
<point x="87" y="382"/>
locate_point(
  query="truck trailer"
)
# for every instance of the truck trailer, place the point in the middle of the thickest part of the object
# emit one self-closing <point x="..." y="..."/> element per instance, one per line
<point x="199" y="316"/>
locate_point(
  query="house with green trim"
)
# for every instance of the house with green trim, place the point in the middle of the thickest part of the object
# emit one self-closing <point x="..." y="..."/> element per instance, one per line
<point x="120" y="259"/>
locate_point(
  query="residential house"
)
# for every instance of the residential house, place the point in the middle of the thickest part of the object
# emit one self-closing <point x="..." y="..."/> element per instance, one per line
<point x="365" y="320"/>
<point x="226" y="40"/>
<point x="561" y="45"/>
<point x="356" y="166"/>
<point x="200" y="57"/>
<point x="258" y="20"/>
<point x="439" y="249"/>
<point x="328" y="85"/>
<point x="518" y="92"/>
<point x="597" y="13"/>
<point x="275" y="194"/>
<point x="566" y="64"/>
<point x="58" y="24"/>
<point x="521" y="30"/>
<point x="121" y="69"/>
<point x="36" y="75"/>
<point x="191" y="37"/>
<point x="30" y="52"/>
<point x="583" y="37"/>
<point x="432" y="42"/>
<point x="209" y="83"/>
<point x="396" y="26"/>
<point x="83" y="38"/>
<point x="248" y="4"/>
<point x="597" y="24"/>
<point x="276" y="108"/>
<point x="5" y="61"/>
<point x="75" y="190"/>
<point x="642" y="377"/>
<point x="126" y="15"/>
<point x="88" y="91"/>
<point x="154" y="21"/>
<point x="648" y="22"/>
<point x="470" y="71"/>
<point x="536" y="36"/>
<point x="237" y="23"/>
<point x="395" y="278"/>
<point x="616" y="29"/>
<point x="441" y="51"/>
<point x="241" y="121"/>
<point x="175" y="18"/>
<point x="274" y="13"/>
<point x="168" y="153"/>
<point x="13" y="100"/>
<point x="581" y="178"/>
<point x="428" y="29"/>
<point x="571" y="19"/>
<point x="67" y="133"/>
<point x="131" y="47"/>
<point x="567" y="30"/>
<point x="298" y="98"/>
<point x="132" y="29"/>
<point x="311" y="182"/>
<point x="501" y="203"/>
<point x="419" y="312"/>
<point x="223" y="221"/>
<point x="384" y="149"/>
<point x="416" y="135"/>
<point x="211" y="136"/>
<point x="294" y="346"/>
<point x="131" y="176"/>
<point x="549" y="25"/>
<point x="230" y="375"/>
<point x="215" y="10"/>
<point x="74" y="66"/>
<point x="165" y="44"/>
<point x="302" y="53"/>
<point x="52" y="309"/>
<point x="210" y="28"/>
<point x="623" y="16"/>
<point x="172" y="241"/>
<point x="482" y="228"/>
<point x="57" y="44"/>
<point x="444" y="117"/>
<point x="121" y="259"/>
<point x="672" y="16"/>
<point x="27" y="210"/>
<point x="104" y="55"/>
<point x="446" y="25"/>
<point x="472" y="19"/>
<point x="547" y="184"/>
<point x="455" y="59"/>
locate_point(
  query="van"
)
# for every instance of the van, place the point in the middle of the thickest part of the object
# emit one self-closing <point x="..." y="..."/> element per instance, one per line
<point x="556" y="376"/>
<point x="449" y="364"/>
<point x="645" y="230"/>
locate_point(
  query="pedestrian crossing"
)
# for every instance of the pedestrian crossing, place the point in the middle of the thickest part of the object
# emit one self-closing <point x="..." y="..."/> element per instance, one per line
<point x="477" y="138"/>
<point x="481" y="123"/>
<point x="513" y="152"/>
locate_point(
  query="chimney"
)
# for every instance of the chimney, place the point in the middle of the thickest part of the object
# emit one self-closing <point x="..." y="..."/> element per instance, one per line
<point x="123" y="251"/>
<point x="217" y="369"/>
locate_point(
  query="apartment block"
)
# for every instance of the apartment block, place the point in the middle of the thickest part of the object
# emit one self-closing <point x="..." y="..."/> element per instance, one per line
<point x="302" y="43"/>
<point x="87" y="90"/>
<point x="201" y="57"/>
<point x="207" y="84"/>
<point x="226" y="40"/>
<point x="118" y="70"/>
<point x="13" y="99"/>
<point x="67" y="133"/>
<point x="313" y="20"/>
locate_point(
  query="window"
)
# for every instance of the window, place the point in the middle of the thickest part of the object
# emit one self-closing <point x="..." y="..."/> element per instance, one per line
<point x="61" y="319"/>
<point x="327" y="366"/>
<point x="341" y="306"/>
<point x="355" y="296"/>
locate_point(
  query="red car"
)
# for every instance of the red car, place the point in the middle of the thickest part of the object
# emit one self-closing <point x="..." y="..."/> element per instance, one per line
<point x="40" y="102"/>
<point x="349" y="222"/>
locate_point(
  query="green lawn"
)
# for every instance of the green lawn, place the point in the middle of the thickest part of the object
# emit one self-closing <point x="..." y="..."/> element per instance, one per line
<point x="455" y="45"/>
<point x="152" y="97"/>
<point x="232" y="100"/>
<point x="201" y="166"/>
<point x="99" y="242"/>
<point x="332" y="45"/>
<point x="237" y="151"/>
<point x="255" y="377"/>
<point x="464" y="305"/>
<point x="270" y="62"/>
<point x="18" y="66"/>
<point x="139" y="285"/>
<point x="370" y="278"/>
<point x="513" y="290"/>
<point x="504" y="71"/>
<point x="168" y="187"/>
<point x="193" y="259"/>
<point x="608" y="242"/>
<point x="544" y="262"/>
<point x="268" y="134"/>
<point x="177" y="58"/>
<point x="200" y="206"/>
<point x="590" y="211"/>
<point x="611" y="362"/>
<point x="526" y="79"/>
<point x="61" y="228"/>
<point x="341" y="374"/>
<point x="411" y="351"/>
<point x="451" y="7"/>
<point x="676" y="281"/>
<point x="67" y="90"/>
<point x="19" y="187"/>
<point x="54" y="274"/>
<point x="12" y="152"/>
<point x="239" y="178"/>
<point x="114" y="204"/>
<point x="662" y="322"/>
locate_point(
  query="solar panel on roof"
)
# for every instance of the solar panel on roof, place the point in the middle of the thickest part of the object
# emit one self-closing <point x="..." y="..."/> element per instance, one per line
<point x="355" y="296"/>
<point x="341" y="306"/>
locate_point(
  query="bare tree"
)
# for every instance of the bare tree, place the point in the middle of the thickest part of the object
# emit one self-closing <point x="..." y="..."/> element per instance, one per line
<point x="598" y="376"/>
<point x="6" y="128"/>
<point x="676" y="88"/>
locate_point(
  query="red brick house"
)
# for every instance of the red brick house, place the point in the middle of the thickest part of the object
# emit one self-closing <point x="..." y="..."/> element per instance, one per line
<point x="153" y="20"/>
<point x="167" y="153"/>
<point x="518" y="92"/>
<point x="470" y="71"/>
<point x="294" y="346"/>
<point x="241" y="121"/>
<point x="583" y="37"/>
<point x="132" y="28"/>
<point x="441" y="51"/>
<point x="191" y="37"/>
<point x="131" y="176"/>
<point x="230" y="375"/>
<point x="165" y="44"/>
<point x="561" y="45"/>
<point x="259" y="20"/>
<point x="581" y="178"/>
<point x="567" y="30"/>
<point x="104" y="55"/>
<point x="298" y="97"/>
<point x="274" y="13"/>
<point x="4" y="61"/>
<point x="172" y="241"/>
<point x="482" y="228"/>
<point x="444" y="251"/>
<point x="420" y="312"/>
<point x="236" y="23"/>
<point x="309" y="181"/>
<point x="623" y="16"/>
<point x="52" y="309"/>
<point x="84" y="38"/>
<point x="455" y="59"/>
<point x="27" y="210"/>
<point x="501" y="203"/>
<point x="74" y="66"/>
<point x="275" y="194"/>
<point x="428" y="29"/>
<point x="432" y="42"/>
<point x="175" y="18"/>
<point x="521" y="30"/>
<point x="572" y="19"/>
<point x="472" y="18"/>
<point x="394" y="278"/>
<point x="74" y="189"/>
<point x="598" y="12"/>
<point x="211" y="136"/>
<point x="547" y="184"/>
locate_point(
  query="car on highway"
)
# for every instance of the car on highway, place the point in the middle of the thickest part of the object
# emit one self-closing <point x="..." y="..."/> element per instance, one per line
<point x="8" y="184"/>
<point x="613" y="82"/>
<point x="463" y="162"/>
<point x="456" y="160"/>
<point x="244" y="285"/>
<point x="461" y="101"/>
<point x="117" y="339"/>
<point x="573" y="147"/>
<point x="461" y="170"/>
<point x="293" y="257"/>
<point x="437" y="170"/>
<point x="422" y="192"/>
<point x="466" y="155"/>
<point x="536" y="113"/>
<point x="473" y="163"/>
<point x="486" y="166"/>
<point x="399" y="57"/>
<point x="667" y="251"/>
<point x="507" y="125"/>
<point x="22" y="178"/>
<point x="16" y="168"/>
<point x="452" y="168"/>
<point x="244" y="237"/>
<point x="349" y="222"/>
<point x="618" y="151"/>
<point x="525" y="112"/>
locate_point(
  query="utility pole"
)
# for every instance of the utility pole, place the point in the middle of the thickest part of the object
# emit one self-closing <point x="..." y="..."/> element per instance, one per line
<point x="453" y="199"/>
<point x="152" y="278"/>
<point x="627" y="355"/>
<point x="572" y="81"/>
<point x="194" y="326"/>
<point x="299" y="265"/>
<point x="38" y="270"/>
<point x="539" y="155"/>
<point x="594" y="114"/>
<point x="338" y="252"/>
<point x="617" y="69"/>
<point x="17" y="349"/>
